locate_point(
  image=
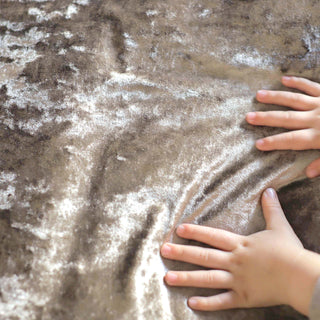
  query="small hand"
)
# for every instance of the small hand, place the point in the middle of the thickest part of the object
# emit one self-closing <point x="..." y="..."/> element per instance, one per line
<point x="257" y="270"/>
<point x="305" y="122"/>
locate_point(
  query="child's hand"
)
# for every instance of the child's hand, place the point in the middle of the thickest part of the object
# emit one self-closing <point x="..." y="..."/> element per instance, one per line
<point x="263" y="269"/>
<point x="305" y="122"/>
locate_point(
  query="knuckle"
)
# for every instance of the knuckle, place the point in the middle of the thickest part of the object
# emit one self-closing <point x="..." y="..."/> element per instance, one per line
<point x="240" y="254"/>
<point x="210" y="278"/>
<point x="212" y="234"/>
<point x="236" y="259"/>
<point x="290" y="137"/>
<point x="178" y="251"/>
<point x="272" y="205"/>
<point x="312" y="115"/>
<point x="288" y="116"/>
<point x="245" y="298"/>
<point x="184" y="277"/>
<point x="315" y="120"/>
<point x="294" y="97"/>
<point x="315" y="135"/>
<point x="219" y="302"/>
<point x="204" y="255"/>
<point x="316" y="138"/>
<point x="245" y="242"/>
<point x="315" y="101"/>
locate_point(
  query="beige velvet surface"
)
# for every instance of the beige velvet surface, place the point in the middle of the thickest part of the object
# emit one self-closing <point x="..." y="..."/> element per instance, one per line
<point x="120" y="120"/>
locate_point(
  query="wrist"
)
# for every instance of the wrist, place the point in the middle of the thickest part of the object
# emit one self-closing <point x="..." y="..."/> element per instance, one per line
<point x="304" y="272"/>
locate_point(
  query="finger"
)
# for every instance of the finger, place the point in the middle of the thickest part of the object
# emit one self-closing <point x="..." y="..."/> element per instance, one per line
<point x="282" y="119"/>
<point x="302" y="84"/>
<point x="293" y="100"/>
<point x="215" y="279"/>
<point x="294" y="140"/>
<point x="313" y="169"/>
<point x="209" y="258"/>
<point x="214" y="237"/>
<point x="222" y="301"/>
<point x="272" y="211"/>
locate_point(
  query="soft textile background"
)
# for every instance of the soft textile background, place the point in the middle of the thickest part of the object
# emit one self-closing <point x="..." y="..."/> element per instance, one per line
<point x="121" y="119"/>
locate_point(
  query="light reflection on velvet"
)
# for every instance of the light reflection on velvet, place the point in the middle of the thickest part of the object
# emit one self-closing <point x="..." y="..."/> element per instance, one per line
<point x="122" y="119"/>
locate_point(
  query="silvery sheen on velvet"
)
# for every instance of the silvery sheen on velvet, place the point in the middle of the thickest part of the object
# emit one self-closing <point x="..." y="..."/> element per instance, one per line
<point x="119" y="120"/>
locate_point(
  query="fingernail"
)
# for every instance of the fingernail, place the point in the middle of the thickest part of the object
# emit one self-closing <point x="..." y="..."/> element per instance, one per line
<point x="171" y="277"/>
<point x="192" y="302"/>
<point x="181" y="229"/>
<point x="270" y="193"/>
<point x="165" y="250"/>
<point x="286" y="78"/>
<point x="311" y="173"/>
<point x="262" y="93"/>
<point x="251" y="116"/>
<point x="260" y="143"/>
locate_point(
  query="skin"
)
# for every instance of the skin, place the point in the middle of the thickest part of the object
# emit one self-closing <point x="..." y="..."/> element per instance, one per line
<point x="304" y="123"/>
<point x="269" y="267"/>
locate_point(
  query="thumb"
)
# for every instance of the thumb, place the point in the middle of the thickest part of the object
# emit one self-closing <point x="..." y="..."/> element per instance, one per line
<point x="272" y="211"/>
<point x="313" y="169"/>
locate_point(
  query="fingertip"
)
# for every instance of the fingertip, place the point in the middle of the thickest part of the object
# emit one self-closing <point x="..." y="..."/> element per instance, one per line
<point x="313" y="169"/>
<point x="181" y="229"/>
<point x="192" y="302"/>
<point x="170" y="278"/>
<point x="270" y="193"/>
<point x="265" y="144"/>
<point x="165" y="250"/>
<point x="312" y="173"/>
<point x="261" y="94"/>
<point x="269" y="199"/>
<point x="260" y="144"/>
<point x="184" y="230"/>
<point x="272" y="211"/>
<point x="250" y="117"/>
<point x="286" y="79"/>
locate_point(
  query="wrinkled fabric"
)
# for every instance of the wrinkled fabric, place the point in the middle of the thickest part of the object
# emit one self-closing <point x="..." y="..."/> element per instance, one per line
<point x="120" y="120"/>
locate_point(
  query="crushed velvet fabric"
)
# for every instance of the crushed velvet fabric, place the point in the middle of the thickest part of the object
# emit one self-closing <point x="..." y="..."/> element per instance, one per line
<point x="119" y="120"/>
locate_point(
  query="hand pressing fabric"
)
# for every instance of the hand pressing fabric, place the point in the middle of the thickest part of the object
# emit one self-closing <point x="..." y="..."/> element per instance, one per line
<point x="267" y="268"/>
<point x="305" y="122"/>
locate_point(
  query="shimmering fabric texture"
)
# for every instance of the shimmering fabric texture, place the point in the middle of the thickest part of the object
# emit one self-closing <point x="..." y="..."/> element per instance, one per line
<point x="121" y="119"/>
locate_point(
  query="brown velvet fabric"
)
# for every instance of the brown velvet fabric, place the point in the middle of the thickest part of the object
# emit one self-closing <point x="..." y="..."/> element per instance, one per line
<point x="120" y="120"/>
